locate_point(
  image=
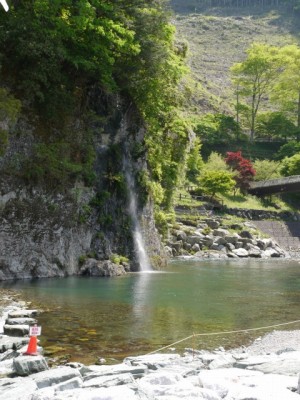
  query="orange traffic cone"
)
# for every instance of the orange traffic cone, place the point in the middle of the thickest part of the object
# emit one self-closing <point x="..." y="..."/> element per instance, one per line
<point x="32" y="347"/>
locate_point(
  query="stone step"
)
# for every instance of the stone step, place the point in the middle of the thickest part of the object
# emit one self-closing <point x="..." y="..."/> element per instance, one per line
<point x="7" y="343"/>
<point x="20" y="321"/>
<point x="16" y="330"/>
<point x="23" y="314"/>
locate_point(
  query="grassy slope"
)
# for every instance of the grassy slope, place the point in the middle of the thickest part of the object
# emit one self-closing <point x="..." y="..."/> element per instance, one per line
<point x="218" y="38"/>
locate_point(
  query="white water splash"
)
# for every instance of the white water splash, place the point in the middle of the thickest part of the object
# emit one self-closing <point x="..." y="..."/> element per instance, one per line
<point x="5" y="5"/>
<point x="139" y="245"/>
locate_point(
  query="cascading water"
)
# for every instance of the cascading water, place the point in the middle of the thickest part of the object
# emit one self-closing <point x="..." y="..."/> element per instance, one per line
<point x="139" y="245"/>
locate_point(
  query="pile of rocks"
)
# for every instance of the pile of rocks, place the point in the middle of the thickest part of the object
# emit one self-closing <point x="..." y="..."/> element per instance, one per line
<point x="195" y="375"/>
<point x="213" y="239"/>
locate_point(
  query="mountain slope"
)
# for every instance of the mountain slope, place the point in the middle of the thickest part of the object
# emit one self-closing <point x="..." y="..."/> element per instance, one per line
<point x="218" y="38"/>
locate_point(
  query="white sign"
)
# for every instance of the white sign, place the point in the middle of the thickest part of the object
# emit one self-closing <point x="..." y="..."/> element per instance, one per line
<point x="35" y="330"/>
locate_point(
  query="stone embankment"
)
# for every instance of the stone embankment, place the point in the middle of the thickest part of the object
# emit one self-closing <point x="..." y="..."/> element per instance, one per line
<point x="214" y="238"/>
<point x="197" y="374"/>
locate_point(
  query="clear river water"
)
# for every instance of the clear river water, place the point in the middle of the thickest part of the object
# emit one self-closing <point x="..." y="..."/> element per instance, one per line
<point x="141" y="312"/>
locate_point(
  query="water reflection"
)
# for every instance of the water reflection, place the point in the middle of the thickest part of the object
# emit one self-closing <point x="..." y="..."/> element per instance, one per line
<point x="141" y="312"/>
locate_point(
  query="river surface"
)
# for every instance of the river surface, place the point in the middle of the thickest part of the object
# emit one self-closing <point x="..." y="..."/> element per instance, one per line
<point x="134" y="314"/>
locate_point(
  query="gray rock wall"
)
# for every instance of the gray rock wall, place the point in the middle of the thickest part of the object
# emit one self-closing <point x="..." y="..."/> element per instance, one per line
<point x="47" y="233"/>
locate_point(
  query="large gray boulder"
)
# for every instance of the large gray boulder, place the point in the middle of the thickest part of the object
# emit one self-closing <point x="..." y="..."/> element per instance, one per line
<point x="109" y="380"/>
<point x="93" y="267"/>
<point x="17" y="388"/>
<point x="28" y="365"/>
<point x="240" y="252"/>
<point x="55" y="376"/>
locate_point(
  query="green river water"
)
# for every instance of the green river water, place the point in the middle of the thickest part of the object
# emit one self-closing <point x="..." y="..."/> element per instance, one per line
<point x="89" y="318"/>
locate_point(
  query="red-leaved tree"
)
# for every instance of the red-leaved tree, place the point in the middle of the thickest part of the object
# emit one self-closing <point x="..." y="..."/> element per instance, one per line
<point x="243" y="167"/>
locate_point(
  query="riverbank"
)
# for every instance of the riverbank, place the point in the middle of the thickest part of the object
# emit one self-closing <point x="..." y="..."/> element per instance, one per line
<point x="220" y="238"/>
<point x="266" y="370"/>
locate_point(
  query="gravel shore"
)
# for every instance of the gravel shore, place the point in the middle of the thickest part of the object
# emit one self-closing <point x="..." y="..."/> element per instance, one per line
<point x="274" y="342"/>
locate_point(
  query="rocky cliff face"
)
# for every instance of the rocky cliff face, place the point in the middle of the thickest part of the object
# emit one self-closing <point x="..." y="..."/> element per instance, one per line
<point x="46" y="233"/>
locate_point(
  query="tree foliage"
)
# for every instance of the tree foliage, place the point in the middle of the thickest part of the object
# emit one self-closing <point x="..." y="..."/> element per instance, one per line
<point x="266" y="169"/>
<point x="217" y="128"/>
<point x="55" y="53"/>
<point x="287" y="89"/>
<point x="254" y="78"/>
<point x="275" y="125"/>
<point x="291" y="165"/>
<point x="213" y="182"/>
<point x="288" y="150"/>
<point x="243" y="167"/>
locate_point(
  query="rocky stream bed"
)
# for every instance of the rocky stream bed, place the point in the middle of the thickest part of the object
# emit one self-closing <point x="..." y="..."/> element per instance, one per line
<point x="266" y="370"/>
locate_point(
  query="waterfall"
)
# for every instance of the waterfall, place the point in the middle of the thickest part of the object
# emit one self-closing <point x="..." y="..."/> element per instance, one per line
<point x="139" y="245"/>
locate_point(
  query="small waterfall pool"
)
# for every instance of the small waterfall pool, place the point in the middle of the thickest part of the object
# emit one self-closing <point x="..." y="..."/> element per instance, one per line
<point x="89" y="318"/>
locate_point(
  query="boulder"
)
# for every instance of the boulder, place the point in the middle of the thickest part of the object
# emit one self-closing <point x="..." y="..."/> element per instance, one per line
<point x="269" y="252"/>
<point x="212" y="223"/>
<point x="17" y="389"/>
<point x="28" y="365"/>
<point x="194" y="239"/>
<point x="220" y="232"/>
<point x="73" y="383"/>
<point x="207" y="241"/>
<point x="55" y="376"/>
<point x="168" y="251"/>
<point x="232" y="238"/>
<point x="109" y="380"/>
<point x="20" y="321"/>
<point x="246" y="234"/>
<point x="196" y="247"/>
<point x="230" y="246"/>
<point x="222" y="361"/>
<point x="23" y="314"/>
<point x="254" y="253"/>
<point x="93" y="267"/>
<point x="7" y="368"/>
<point x="220" y="240"/>
<point x="16" y="330"/>
<point x="221" y="380"/>
<point x="153" y="361"/>
<point x="7" y="342"/>
<point x="177" y="246"/>
<point x="93" y="371"/>
<point x="180" y="235"/>
<point x="239" y="245"/>
<point x="241" y="252"/>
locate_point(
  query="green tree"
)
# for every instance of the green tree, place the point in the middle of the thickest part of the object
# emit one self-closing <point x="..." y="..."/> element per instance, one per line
<point x="288" y="150"/>
<point x="194" y="161"/>
<point x="217" y="128"/>
<point x="290" y="165"/>
<point x="213" y="182"/>
<point x="254" y="78"/>
<point x="58" y="54"/>
<point x="275" y="125"/>
<point x="287" y="90"/>
<point x="266" y="169"/>
<point x="216" y="162"/>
